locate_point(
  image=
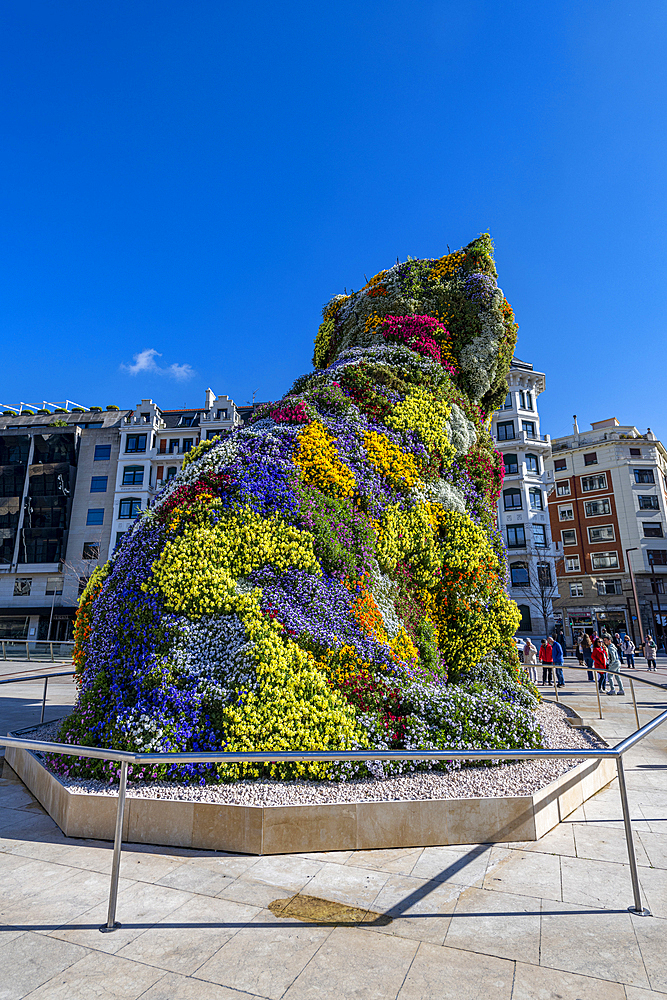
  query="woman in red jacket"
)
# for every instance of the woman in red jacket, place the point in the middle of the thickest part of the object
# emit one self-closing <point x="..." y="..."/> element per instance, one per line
<point x="600" y="661"/>
<point x="546" y="658"/>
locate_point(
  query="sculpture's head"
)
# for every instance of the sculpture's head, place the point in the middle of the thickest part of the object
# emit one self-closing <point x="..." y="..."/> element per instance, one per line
<point x="450" y="309"/>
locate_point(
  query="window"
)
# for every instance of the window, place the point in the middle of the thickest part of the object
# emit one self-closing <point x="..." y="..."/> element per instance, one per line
<point x="506" y="431"/>
<point x="540" y="536"/>
<point x="135" y="442"/>
<point x="652" y="529"/>
<point x="102" y="452"/>
<point x="187" y="445"/>
<point x="22" y="586"/>
<point x="522" y="400"/>
<point x="563" y="488"/>
<point x="529" y="428"/>
<point x="511" y="465"/>
<point x="519" y="574"/>
<point x="649" y="503"/>
<point x="91" y="550"/>
<point x="129" y="507"/>
<point x="95" y="515"/>
<point x="604" y="533"/>
<point x="119" y="535"/>
<point x="644" y="476"/>
<point x="146" y="417"/>
<point x="658" y="586"/>
<point x="572" y="564"/>
<point x="609" y="587"/>
<point x="98" y="484"/>
<point x="516" y="537"/>
<point x="186" y="421"/>
<point x="133" y="475"/>
<point x="576" y="589"/>
<point x="595" y="508"/>
<point x="544" y="574"/>
<point x="526" y="621"/>
<point x="212" y="434"/>
<point x="565" y="512"/>
<point x="535" y="497"/>
<point x="591" y="458"/>
<point x="54" y="585"/>
<point x="532" y="463"/>
<point x="590" y="483"/>
<point x="171" y="472"/>
<point x="569" y="537"/>
<point x="529" y="401"/>
<point x="635" y="453"/>
<point x="560" y="464"/>
<point x="222" y="414"/>
<point x="173" y="446"/>
<point x="604" y="560"/>
<point x="657" y="557"/>
<point x="83" y="582"/>
<point x="512" y="499"/>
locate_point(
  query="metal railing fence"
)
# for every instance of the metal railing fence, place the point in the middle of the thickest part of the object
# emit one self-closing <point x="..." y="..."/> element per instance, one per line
<point x="37" y="649"/>
<point x="229" y="757"/>
<point x="18" y="679"/>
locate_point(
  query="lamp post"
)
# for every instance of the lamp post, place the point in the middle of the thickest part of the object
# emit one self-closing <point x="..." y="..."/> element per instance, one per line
<point x="634" y="591"/>
<point x="654" y="582"/>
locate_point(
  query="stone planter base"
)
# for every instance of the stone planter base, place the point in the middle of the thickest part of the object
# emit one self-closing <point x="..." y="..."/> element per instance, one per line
<point x="309" y="828"/>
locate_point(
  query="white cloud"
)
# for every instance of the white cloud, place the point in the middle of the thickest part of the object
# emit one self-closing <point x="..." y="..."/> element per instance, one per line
<point x="144" y="362"/>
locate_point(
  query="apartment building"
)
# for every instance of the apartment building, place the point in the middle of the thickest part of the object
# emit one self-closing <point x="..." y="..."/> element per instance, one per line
<point x="607" y="507"/>
<point x="57" y="472"/>
<point x="152" y="445"/>
<point x="522" y="509"/>
<point x="71" y="483"/>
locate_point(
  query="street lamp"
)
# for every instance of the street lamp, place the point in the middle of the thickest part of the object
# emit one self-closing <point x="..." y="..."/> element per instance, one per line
<point x="634" y="591"/>
<point x="656" y="588"/>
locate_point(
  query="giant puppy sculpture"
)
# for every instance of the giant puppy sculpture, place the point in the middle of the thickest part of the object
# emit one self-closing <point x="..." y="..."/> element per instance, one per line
<point x="329" y="577"/>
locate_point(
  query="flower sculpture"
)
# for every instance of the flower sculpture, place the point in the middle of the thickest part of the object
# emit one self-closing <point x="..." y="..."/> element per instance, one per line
<point x="329" y="577"/>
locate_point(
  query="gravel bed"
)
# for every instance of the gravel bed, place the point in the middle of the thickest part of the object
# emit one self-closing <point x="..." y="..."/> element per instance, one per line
<point x="511" y="778"/>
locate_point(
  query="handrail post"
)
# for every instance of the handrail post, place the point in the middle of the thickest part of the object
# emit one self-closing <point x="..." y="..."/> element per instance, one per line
<point x="112" y="923"/>
<point x="51" y="645"/>
<point x="27" y="651"/>
<point x="46" y="681"/>
<point x="637" y="909"/>
<point x="634" y="702"/>
<point x="553" y="678"/>
<point x="4" y="650"/>
<point x="596" y="681"/>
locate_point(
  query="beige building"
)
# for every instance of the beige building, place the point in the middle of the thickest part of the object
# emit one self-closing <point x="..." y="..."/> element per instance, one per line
<point x="608" y="514"/>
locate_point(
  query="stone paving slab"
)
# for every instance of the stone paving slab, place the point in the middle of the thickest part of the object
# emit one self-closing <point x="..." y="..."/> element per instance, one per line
<point x="526" y="921"/>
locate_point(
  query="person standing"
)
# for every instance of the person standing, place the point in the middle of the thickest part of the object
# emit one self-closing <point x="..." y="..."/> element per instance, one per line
<point x="530" y="660"/>
<point x="579" y="651"/>
<point x="600" y="661"/>
<point x="628" y="648"/>
<point x="546" y="660"/>
<point x="557" y="660"/>
<point x="587" y="647"/>
<point x="650" y="651"/>
<point x="613" y="667"/>
<point x="619" y="647"/>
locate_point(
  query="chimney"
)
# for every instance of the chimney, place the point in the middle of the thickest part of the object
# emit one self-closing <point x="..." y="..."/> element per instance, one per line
<point x="210" y="399"/>
<point x="575" y="426"/>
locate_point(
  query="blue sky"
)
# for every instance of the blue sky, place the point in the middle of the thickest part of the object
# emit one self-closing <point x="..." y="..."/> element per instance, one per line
<point x="196" y="179"/>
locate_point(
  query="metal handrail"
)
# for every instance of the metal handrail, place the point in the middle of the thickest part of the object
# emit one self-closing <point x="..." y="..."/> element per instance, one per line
<point x="34" y="642"/>
<point x="38" y="677"/>
<point x="125" y="757"/>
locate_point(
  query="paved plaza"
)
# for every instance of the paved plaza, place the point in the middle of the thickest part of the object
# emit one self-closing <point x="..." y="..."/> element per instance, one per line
<point x="530" y="921"/>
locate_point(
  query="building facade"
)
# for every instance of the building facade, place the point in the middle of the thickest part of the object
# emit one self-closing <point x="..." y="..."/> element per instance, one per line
<point x="522" y="508"/>
<point x="607" y="507"/>
<point x="71" y="483"/>
<point x="57" y="475"/>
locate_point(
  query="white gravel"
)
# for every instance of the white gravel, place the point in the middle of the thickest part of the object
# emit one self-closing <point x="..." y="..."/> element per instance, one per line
<point x="512" y="778"/>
